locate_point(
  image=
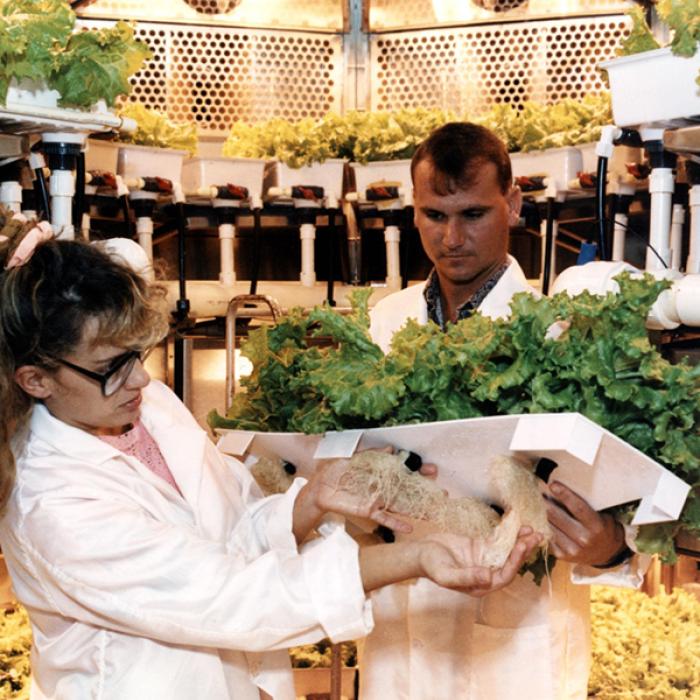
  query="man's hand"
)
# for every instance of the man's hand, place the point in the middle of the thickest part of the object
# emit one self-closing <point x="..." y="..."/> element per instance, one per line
<point x="581" y="535"/>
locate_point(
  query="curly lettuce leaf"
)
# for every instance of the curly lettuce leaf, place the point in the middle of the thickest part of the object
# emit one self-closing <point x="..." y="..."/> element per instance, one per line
<point x="683" y="17"/>
<point x="96" y="65"/>
<point x="32" y="32"/>
<point x="640" y="37"/>
<point x="155" y="129"/>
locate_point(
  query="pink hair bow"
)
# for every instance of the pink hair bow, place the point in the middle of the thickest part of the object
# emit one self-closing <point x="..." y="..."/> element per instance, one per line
<point x="40" y="233"/>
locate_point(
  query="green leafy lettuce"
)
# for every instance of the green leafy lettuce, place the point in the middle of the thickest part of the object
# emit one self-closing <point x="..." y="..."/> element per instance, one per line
<point x="601" y="364"/>
<point x="38" y="43"/>
<point x="155" y="129"/>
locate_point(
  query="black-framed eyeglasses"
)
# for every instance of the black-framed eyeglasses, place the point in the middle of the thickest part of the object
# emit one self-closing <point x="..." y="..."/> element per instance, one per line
<point x="115" y="377"/>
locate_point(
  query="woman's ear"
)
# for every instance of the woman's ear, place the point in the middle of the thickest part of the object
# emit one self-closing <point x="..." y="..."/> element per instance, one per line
<point x="34" y="381"/>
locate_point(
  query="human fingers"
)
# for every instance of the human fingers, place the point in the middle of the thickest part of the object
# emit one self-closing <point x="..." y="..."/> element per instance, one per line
<point x="522" y="549"/>
<point x="429" y="471"/>
<point x="386" y="518"/>
<point x="562" y="546"/>
<point x="578" y="507"/>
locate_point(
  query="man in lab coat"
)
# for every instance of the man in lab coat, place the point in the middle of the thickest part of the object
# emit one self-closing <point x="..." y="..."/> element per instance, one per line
<point x="526" y="641"/>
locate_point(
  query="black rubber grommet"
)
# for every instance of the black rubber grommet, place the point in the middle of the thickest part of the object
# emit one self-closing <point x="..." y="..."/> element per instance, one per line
<point x="386" y="533"/>
<point x="413" y="461"/>
<point x="544" y="468"/>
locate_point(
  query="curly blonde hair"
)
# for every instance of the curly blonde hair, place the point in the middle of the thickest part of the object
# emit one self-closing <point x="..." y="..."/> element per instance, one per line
<point x="44" y="306"/>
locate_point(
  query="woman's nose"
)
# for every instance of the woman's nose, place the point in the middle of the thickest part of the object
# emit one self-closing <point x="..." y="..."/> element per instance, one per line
<point x="138" y="377"/>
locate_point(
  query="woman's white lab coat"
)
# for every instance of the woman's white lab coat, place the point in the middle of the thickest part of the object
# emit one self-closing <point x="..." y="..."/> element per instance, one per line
<point x="135" y="591"/>
<point x="521" y="643"/>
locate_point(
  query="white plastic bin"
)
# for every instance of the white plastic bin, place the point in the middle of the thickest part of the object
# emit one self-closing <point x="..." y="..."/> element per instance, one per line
<point x="654" y="88"/>
<point x="560" y="164"/>
<point x="148" y="161"/>
<point x="367" y="174"/>
<point x="207" y="172"/>
<point x="328" y="175"/>
<point x="101" y="155"/>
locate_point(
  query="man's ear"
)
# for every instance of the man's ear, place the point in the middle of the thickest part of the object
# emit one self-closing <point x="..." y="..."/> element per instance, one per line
<point x="34" y="381"/>
<point x="515" y="202"/>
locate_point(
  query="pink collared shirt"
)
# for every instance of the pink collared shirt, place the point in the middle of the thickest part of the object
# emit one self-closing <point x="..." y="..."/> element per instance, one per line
<point x="138" y="442"/>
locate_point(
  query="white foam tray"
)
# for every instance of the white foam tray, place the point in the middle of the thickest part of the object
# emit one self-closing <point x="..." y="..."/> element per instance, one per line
<point x="31" y="107"/>
<point x="148" y="161"/>
<point x="654" y="88"/>
<point x="367" y="174"/>
<point x="101" y="155"/>
<point x="328" y="175"/>
<point x="559" y="164"/>
<point x="599" y="466"/>
<point x="220" y="171"/>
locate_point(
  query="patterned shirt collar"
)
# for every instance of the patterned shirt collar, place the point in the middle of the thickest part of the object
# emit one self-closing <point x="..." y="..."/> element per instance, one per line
<point x="434" y="300"/>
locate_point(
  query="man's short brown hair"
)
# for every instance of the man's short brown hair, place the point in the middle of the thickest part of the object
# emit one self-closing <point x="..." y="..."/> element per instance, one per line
<point x="457" y="150"/>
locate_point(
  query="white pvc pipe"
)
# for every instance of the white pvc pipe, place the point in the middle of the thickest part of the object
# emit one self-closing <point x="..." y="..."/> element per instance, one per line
<point x="392" y="236"/>
<point x="11" y="196"/>
<point x="687" y="300"/>
<point x="227" y="234"/>
<point x="62" y="189"/>
<point x="661" y="184"/>
<point x="144" y="230"/>
<point x="619" y="236"/>
<point x="677" y="221"/>
<point x="692" y="265"/>
<point x="307" y="232"/>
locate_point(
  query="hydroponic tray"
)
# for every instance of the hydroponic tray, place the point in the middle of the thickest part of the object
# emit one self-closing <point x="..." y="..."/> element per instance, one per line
<point x="592" y="461"/>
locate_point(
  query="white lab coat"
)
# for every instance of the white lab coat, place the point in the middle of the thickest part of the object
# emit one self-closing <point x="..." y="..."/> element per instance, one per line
<point x="521" y="643"/>
<point x="135" y="591"/>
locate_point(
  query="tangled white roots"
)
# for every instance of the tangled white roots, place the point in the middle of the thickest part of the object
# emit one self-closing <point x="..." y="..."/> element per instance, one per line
<point x="380" y="475"/>
<point x="271" y="476"/>
<point x="385" y="476"/>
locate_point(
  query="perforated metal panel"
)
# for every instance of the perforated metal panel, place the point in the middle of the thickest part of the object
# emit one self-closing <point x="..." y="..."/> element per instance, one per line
<point x="216" y="76"/>
<point x="391" y="15"/>
<point x="468" y="69"/>
<point x="293" y="14"/>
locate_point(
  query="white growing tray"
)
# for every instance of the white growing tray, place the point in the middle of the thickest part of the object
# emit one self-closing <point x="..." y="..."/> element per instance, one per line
<point x="367" y="174"/>
<point x="596" y="464"/>
<point x="559" y="164"/>
<point x="654" y="88"/>
<point x="206" y="172"/>
<point x="149" y="161"/>
<point x="328" y="175"/>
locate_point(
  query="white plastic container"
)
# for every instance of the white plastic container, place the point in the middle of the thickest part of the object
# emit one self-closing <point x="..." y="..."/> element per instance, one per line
<point x="654" y="88"/>
<point x="147" y="161"/>
<point x="31" y="106"/>
<point x="328" y="175"/>
<point x="198" y="173"/>
<point x="101" y="155"/>
<point x="367" y="174"/>
<point x="559" y="164"/>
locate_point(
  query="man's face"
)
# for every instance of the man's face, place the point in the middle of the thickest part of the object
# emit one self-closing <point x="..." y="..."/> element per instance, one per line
<point x="464" y="233"/>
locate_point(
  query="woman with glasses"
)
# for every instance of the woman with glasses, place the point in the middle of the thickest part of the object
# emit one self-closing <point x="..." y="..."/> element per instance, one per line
<point x="148" y="563"/>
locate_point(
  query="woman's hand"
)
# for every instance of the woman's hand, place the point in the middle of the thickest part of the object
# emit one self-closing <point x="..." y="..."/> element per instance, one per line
<point x="324" y="493"/>
<point x="448" y="560"/>
<point x="452" y="561"/>
<point x="581" y="535"/>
